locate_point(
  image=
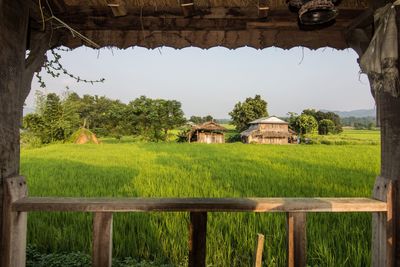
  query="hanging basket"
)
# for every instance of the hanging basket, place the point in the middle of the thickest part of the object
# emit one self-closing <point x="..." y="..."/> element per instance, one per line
<point x="317" y="12"/>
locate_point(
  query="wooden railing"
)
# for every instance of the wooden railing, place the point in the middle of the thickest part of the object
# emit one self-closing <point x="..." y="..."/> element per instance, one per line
<point x="103" y="209"/>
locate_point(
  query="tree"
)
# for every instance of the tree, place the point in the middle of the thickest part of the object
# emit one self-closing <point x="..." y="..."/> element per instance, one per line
<point x="249" y="110"/>
<point x="320" y="115"/>
<point x="200" y="120"/>
<point x="326" y="126"/>
<point x="170" y="114"/>
<point x="306" y="124"/>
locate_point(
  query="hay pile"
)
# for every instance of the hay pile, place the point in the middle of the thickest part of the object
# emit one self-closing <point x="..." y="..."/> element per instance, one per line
<point x="84" y="136"/>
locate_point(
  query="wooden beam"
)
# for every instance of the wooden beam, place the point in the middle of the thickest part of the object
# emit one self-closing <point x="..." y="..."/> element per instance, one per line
<point x="102" y="239"/>
<point x="296" y="239"/>
<point x="259" y="251"/>
<point x="200" y="204"/>
<point x="197" y="239"/>
<point x="363" y="20"/>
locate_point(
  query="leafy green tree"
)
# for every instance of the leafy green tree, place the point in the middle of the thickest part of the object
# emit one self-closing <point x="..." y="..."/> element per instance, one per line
<point x="306" y="124"/>
<point x="320" y="115"/>
<point x="251" y="109"/>
<point x="170" y="114"/>
<point x="326" y="126"/>
<point x="292" y="120"/>
<point x="200" y="120"/>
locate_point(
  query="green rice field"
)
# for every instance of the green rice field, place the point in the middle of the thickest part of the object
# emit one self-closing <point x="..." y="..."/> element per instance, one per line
<point x="135" y="169"/>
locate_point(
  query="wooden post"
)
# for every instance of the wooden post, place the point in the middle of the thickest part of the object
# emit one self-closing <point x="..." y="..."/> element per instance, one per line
<point x="259" y="251"/>
<point x="197" y="239"/>
<point x="102" y="239"/>
<point x="296" y="239"/>
<point x="14" y="224"/>
<point x="16" y="73"/>
<point x="382" y="225"/>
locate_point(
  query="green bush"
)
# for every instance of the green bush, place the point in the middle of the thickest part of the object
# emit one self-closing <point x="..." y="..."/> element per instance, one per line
<point x="30" y="140"/>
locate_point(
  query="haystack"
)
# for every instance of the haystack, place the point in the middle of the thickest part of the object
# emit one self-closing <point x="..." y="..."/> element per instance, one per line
<point x="84" y="136"/>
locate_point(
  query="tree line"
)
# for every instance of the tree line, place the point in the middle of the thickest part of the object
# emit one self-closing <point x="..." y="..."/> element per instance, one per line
<point x="56" y="118"/>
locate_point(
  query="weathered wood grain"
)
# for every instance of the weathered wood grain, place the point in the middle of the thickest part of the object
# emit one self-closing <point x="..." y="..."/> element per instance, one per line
<point x="296" y="239"/>
<point x="197" y="239"/>
<point x="200" y="204"/>
<point x="14" y="224"/>
<point x="102" y="239"/>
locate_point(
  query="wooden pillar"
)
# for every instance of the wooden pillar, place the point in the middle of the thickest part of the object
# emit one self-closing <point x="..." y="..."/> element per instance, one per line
<point x="16" y="73"/>
<point x="382" y="224"/>
<point x="14" y="224"/>
<point x="197" y="239"/>
<point x="102" y="239"/>
<point x="296" y="239"/>
<point x="388" y="108"/>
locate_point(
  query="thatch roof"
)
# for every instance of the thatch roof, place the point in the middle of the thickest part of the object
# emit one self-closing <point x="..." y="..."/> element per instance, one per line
<point x="269" y="120"/>
<point x="84" y="136"/>
<point x="209" y="126"/>
<point x="155" y="23"/>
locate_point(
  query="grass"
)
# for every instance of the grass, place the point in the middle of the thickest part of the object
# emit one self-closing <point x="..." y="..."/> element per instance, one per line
<point x="348" y="137"/>
<point x="133" y="169"/>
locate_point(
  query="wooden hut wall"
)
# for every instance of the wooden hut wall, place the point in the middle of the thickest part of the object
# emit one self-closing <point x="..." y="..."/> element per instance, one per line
<point x="210" y="138"/>
<point x="274" y="127"/>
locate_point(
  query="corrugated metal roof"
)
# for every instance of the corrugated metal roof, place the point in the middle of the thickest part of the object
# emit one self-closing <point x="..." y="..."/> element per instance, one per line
<point x="249" y="131"/>
<point x="272" y="120"/>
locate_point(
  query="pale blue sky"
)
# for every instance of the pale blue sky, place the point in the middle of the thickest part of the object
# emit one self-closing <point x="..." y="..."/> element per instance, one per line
<point x="212" y="81"/>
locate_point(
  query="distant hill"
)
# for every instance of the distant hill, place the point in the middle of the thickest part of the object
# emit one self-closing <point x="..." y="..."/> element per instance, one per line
<point x="359" y="113"/>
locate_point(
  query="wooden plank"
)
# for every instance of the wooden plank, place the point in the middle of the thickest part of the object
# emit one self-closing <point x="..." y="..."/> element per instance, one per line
<point x="259" y="251"/>
<point x="14" y="224"/>
<point x="197" y="239"/>
<point x="200" y="204"/>
<point x="383" y="225"/>
<point x="102" y="239"/>
<point x="296" y="239"/>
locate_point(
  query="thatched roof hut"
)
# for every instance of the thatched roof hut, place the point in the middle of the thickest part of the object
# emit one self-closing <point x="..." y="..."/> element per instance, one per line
<point x="208" y="132"/>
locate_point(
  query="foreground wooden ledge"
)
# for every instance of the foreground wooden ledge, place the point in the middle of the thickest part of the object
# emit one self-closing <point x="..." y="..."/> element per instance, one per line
<point x="199" y="204"/>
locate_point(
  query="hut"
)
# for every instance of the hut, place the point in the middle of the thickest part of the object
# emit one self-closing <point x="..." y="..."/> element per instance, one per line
<point x="209" y="132"/>
<point x="269" y="130"/>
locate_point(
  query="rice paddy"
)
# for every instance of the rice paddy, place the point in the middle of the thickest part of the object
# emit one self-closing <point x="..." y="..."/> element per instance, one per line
<point x="134" y="169"/>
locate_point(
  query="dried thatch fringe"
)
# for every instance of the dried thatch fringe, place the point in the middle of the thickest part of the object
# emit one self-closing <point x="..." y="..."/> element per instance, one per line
<point x="380" y="59"/>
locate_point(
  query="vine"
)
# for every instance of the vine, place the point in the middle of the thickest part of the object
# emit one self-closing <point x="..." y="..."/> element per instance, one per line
<point x="54" y="68"/>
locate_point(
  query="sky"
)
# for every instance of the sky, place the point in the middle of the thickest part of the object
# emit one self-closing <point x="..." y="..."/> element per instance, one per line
<point x="212" y="81"/>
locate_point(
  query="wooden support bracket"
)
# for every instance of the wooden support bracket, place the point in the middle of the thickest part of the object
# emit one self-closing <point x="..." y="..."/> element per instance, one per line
<point x="102" y="239"/>
<point x="263" y="9"/>
<point x="296" y="239"/>
<point x="118" y="7"/>
<point x="187" y="7"/>
<point x="14" y="224"/>
<point x="383" y="238"/>
<point x="197" y="239"/>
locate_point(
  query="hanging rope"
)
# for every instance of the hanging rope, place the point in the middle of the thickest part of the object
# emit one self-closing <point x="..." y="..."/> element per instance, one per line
<point x="379" y="61"/>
